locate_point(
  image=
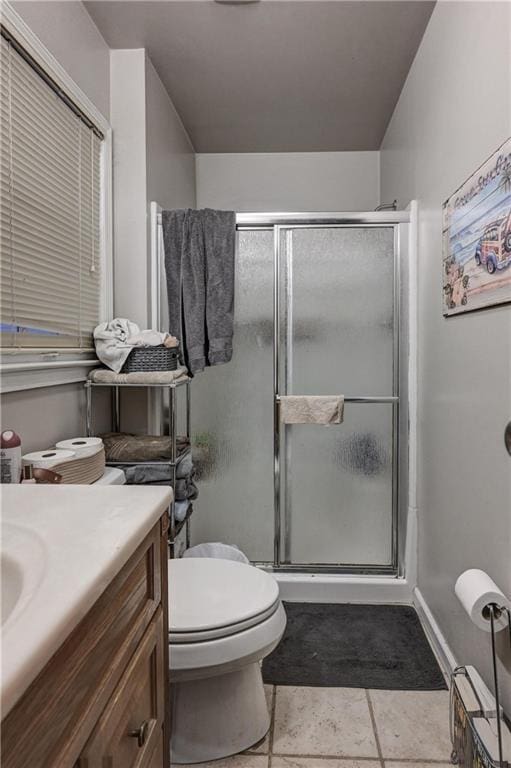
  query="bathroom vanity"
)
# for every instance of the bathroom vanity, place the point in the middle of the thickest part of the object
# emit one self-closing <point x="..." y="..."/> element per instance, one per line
<point x="85" y="650"/>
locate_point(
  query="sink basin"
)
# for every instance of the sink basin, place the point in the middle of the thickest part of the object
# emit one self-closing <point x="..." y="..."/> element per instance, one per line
<point x="12" y="584"/>
<point x="22" y="562"/>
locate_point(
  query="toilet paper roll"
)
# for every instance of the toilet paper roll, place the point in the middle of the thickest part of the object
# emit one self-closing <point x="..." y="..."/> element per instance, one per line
<point x="82" y="446"/>
<point x="47" y="459"/>
<point x="475" y="591"/>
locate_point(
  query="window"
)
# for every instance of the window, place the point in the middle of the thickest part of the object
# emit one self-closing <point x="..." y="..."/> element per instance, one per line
<point x="51" y="211"/>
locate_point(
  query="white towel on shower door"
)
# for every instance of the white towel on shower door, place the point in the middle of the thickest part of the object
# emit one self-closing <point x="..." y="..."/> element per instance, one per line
<point x="311" y="409"/>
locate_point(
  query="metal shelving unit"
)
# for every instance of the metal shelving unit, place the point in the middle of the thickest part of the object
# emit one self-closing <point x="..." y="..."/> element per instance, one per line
<point x="175" y="527"/>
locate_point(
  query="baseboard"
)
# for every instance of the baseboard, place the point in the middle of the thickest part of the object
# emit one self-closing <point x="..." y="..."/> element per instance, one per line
<point x="440" y="646"/>
<point x="330" y="588"/>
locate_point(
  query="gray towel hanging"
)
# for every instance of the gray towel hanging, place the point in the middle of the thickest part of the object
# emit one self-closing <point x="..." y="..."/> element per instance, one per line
<point x="199" y="264"/>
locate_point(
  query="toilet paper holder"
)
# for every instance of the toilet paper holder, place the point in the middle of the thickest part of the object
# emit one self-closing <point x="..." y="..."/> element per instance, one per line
<point x="493" y="612"/>
<point x="472" y="719"/>
<point x="498" y="611"/>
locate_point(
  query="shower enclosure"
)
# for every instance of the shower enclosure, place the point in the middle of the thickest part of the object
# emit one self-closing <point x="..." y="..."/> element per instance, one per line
<point x="318" y="311"/>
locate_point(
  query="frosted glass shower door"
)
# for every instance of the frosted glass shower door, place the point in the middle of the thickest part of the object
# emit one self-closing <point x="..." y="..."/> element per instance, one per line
<point x="232" y="416"/>
<point x="337" y="336"/>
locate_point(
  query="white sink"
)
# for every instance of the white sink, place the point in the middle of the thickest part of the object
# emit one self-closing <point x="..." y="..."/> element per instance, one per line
<point x="22" y="564"/>
<point x="12" y="584"/>
<point x="61" y="546"/>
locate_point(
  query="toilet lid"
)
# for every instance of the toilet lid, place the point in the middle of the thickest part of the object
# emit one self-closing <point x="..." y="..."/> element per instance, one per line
<point x="208" y="594"/>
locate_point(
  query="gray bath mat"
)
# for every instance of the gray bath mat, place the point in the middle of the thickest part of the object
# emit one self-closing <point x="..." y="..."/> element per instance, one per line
<point x="354" y="646"/>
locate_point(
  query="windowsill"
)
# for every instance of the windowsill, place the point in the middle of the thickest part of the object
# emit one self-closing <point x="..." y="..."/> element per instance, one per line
<point x="22" y="369"/>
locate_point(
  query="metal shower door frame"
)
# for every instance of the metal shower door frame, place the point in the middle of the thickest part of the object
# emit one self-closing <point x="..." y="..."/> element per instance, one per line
<point x="350" y="221"/>
<point x="279" y="222"/>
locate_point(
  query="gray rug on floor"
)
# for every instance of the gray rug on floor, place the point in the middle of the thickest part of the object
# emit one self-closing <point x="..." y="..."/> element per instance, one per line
<point x="354" y="646"/>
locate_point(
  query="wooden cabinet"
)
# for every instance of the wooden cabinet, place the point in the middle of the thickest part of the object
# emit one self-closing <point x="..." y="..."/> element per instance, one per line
<point x="102" y="700"/>
<point x="130" y="729"/>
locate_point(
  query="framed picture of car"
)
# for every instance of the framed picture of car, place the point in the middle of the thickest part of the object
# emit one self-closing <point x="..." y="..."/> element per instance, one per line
<point x="477" y="238"/>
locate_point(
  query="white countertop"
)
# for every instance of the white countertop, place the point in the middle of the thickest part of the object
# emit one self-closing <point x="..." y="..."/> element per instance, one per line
<point x="75" y="539"/>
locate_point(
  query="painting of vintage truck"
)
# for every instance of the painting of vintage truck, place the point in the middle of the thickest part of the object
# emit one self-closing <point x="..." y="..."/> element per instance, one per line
<point x="477" y="238"/>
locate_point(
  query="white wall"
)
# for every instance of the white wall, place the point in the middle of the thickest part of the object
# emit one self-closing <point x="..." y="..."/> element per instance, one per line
<point x="67" y="30"/>
<point x="43" y="416"/>
<point x="170" y="155"/>
<point x="289" y="181"/>
<point x="454" y="111"/>
<point x="128" y="120"/>
<point x="153" y="160"/>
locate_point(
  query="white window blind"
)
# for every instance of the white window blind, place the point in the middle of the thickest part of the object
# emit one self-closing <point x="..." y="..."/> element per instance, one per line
<point x="50" y="213"/>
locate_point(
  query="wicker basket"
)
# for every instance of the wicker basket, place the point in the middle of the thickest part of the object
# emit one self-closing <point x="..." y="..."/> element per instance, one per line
<point x="160" y="358"/>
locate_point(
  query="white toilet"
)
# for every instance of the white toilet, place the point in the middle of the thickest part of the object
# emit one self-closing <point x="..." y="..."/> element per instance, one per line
<point x="224" y="617"/>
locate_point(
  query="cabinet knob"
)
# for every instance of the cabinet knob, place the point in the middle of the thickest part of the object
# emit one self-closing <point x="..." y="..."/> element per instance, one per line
<point x="140" y="734"/>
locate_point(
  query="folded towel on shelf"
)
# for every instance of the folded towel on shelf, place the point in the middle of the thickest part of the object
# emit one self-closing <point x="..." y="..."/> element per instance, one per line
<point x="124" y="446"/>
<point x="105" y="376"/>
<point x="115" y="340"/>
<point x="311" y="409"/>
<point x="161" y="474"/>
<point x="184" y="465"/>
<point x="184" y="488"/>
<point x="181" y="510"/>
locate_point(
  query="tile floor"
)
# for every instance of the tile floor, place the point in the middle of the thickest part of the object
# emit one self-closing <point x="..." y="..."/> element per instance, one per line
<point x="350" y="728"/>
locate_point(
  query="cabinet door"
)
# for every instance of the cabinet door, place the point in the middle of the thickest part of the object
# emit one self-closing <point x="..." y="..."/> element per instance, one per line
<point x="65" y="701"/>
<point x="157" y="758"/>
<point x="129" y="734"/>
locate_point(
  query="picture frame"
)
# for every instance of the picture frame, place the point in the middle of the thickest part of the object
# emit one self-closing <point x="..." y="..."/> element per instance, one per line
<point x="476" y="238"/>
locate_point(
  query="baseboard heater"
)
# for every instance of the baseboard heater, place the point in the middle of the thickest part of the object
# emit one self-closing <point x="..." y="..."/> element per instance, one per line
<point x="473" y="722"/>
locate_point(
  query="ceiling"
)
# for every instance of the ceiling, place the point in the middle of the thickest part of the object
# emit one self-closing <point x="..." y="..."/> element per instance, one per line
<point x="275" y="76"/>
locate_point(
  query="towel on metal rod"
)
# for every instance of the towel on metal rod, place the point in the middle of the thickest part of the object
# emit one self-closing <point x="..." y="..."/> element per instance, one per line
<point x="311" y="409"/>
<point x="199" y="265"/>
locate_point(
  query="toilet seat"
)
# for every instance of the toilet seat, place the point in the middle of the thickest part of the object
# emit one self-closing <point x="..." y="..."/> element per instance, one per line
<point x="230" y="629"/>
<point x="223" y="654"/>
<point x="212" y="598"/>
